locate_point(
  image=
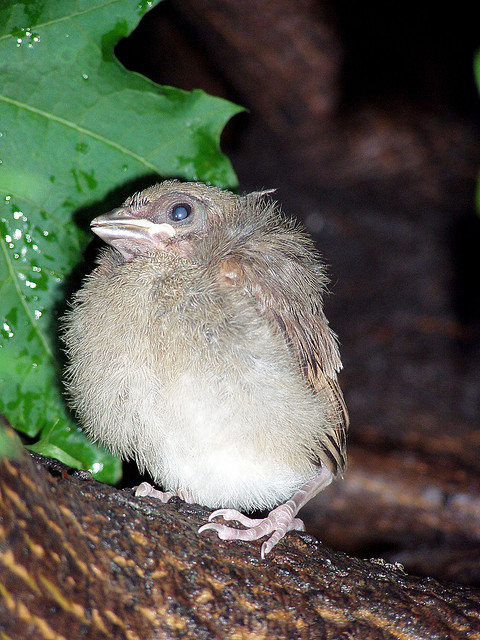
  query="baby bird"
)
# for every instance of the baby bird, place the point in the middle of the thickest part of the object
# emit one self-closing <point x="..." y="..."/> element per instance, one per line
<point x="199" y="347"/>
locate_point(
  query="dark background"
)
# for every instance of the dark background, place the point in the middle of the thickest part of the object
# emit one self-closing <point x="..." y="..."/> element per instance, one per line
<point x="366" y="121"/>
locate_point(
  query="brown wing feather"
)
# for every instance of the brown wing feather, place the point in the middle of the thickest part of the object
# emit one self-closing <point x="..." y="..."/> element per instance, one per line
<point x="273" y="260"/>
<point x="315" y="348"/>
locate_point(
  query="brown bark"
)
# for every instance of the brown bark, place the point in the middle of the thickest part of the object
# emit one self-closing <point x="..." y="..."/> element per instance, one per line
<point x="80" y="559"/>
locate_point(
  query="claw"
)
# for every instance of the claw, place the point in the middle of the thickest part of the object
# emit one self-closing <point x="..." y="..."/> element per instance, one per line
<point x="233" y="514"/>
<point x="223" y="532"/>
<point x="146" y="490"/>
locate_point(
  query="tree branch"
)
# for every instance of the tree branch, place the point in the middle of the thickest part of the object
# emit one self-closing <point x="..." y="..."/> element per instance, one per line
<point x="81" y="559"/>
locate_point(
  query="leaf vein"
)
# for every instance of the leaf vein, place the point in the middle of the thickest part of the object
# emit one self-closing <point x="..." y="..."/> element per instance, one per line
<point x="50" y="117"/>
<point x="65" y="18"/>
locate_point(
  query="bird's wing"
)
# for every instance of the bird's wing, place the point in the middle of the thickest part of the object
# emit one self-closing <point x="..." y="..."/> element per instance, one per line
<point x="315" y="347"/>
<point x="314" y="344"/>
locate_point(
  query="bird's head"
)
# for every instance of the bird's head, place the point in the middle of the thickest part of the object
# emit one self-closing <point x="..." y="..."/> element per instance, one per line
<point x="168" y="216"/>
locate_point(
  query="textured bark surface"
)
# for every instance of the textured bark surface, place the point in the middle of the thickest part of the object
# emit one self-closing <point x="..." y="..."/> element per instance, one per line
<point x="80" y="559"/>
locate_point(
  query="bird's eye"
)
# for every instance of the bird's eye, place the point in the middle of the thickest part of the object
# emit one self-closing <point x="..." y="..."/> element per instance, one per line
<point x="180" y="212"/>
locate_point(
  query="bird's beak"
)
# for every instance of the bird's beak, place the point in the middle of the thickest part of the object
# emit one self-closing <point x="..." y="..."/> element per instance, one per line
<point x="131" y="235"/>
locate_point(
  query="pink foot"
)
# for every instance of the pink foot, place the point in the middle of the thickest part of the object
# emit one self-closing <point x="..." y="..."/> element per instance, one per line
<point x="277" y="523"/>
<point x="146" y="490"/>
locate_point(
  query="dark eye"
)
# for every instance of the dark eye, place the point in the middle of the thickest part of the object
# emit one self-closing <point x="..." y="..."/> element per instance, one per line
<point x="180" y="212"/>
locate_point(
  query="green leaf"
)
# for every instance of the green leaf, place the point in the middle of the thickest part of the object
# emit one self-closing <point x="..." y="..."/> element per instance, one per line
<point x="78" y="133"/>
<point x="10" y="444"/>
<point x="476" y="69"/>
<point x="68" y="444"/>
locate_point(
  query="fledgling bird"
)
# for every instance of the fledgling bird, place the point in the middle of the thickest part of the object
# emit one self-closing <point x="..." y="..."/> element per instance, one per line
<point x="199" y="347"/>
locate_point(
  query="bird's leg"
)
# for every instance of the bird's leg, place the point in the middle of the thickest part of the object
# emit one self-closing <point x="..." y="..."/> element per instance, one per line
<point x="279" y="520"/>
<point x="145" y="489"/>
